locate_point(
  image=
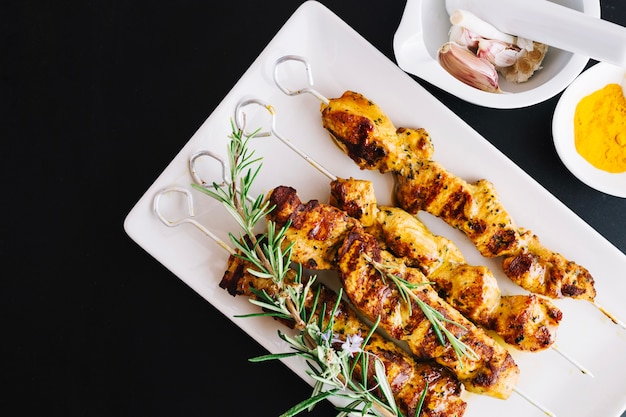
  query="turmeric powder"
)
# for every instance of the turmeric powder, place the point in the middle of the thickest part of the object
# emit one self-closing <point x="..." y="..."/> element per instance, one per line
<point x="600" y="128"/>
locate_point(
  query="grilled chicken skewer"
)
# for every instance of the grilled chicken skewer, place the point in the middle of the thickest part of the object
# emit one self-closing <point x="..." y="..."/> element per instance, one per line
<point x="409" y="379"/>
<point x="492" y="372"/>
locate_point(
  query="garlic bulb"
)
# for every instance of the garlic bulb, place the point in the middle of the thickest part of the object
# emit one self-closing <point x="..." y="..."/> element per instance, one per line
<point x="463" y="65"/>
<point x="527" y="63"/>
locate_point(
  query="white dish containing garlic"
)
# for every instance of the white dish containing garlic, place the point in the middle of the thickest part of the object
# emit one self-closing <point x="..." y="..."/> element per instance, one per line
<point x="511" y="71"/>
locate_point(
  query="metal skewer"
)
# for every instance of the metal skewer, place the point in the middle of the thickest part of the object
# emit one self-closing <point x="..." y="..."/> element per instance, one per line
<point x="190" y="214"/>
<point x="310" y="90"/>
<point x="533" y="402"/>
<point x="609" y="315"/>
<point x="239" y="121"/>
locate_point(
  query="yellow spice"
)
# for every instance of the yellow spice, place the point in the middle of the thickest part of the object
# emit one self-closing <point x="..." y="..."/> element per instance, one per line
<point x="600" y="128"/>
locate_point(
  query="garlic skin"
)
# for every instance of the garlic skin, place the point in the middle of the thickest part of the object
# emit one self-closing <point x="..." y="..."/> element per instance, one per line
<point x="466" y="67"/>
<point x="500" y="54"/>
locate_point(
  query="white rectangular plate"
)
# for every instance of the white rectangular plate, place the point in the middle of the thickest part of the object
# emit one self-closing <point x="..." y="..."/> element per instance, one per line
<point x="342" y="60"/>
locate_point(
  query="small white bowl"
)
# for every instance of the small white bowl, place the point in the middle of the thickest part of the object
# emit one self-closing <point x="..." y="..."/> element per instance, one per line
<point x="593" y="79"/>
<point x="424" y="29"/>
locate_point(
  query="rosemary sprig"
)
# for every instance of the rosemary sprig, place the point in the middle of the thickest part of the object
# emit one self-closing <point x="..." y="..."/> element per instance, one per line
<point x="331" y="368"/>
<point x="406" y="290"/>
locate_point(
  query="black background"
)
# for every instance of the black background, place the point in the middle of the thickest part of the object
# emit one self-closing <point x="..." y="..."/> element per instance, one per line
<point x="97" y="98"/>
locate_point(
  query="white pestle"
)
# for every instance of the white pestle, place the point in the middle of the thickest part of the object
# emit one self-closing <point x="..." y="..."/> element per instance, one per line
<point x="550" y="23"/>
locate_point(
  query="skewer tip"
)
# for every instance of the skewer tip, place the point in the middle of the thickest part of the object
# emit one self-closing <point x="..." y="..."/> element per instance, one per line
<point x="610" y="315"/>
<point x="533" y="402"/>
<point x="572" y="361"/>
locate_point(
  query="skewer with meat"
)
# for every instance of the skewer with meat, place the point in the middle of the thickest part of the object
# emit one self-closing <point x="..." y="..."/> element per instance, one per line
<point x="367" y="135"/>
<point x="527" y="322"/>
<point x="491" y="372"/>
<point x="407" y="377"/>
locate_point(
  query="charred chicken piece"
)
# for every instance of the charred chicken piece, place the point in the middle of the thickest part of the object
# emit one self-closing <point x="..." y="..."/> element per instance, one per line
<point x="543" y="271"/>
<point x="366" y="134"/>
<point x="493" y="372"/>
<point x="407" y="377"/>
<point x="316" y="230"/>
<point x="362" y="131"/>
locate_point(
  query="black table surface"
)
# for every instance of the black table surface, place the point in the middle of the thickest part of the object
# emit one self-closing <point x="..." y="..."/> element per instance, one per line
<point x="98" y="97"/>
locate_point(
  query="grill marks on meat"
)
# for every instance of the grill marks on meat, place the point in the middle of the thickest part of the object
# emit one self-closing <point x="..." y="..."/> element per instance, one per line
<point x="358" y="125"/>
<point x="474" y="208"/>
<point x="494" y="373"/>
<point x="407" y="377"/>
<point x="540" y="270"/>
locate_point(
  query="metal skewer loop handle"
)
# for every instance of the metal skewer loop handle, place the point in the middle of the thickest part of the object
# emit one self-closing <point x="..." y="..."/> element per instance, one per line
<point x="156" y="206"/>
<point x="308" y="89"/>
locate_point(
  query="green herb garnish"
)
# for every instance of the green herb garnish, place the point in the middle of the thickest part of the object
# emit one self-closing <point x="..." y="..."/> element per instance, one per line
<point x="406" y="291"/>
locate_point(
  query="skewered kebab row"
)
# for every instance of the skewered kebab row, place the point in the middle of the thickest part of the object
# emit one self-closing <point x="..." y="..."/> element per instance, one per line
<point x="491" y="372"/>
<point x="527" y="322"/>
<point x="368" y="137"/>
<point x="407" y="377"/>
<point x="525" y="260"/>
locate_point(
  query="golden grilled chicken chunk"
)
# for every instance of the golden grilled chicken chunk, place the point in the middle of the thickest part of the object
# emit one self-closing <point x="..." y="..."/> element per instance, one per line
<point x="543" y="271"/>
<point x="492" y="372"/>
<point x="407" y="377"/>
<point x="366" y="134"/>
<point x="316" y="230"/>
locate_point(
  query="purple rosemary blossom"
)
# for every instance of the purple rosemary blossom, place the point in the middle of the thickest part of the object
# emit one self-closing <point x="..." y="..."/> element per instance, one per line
<point x="352" y="344"/>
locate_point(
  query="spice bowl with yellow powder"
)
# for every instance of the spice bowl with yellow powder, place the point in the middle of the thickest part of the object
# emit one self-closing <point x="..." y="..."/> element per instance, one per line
<point x="589" y="128"/>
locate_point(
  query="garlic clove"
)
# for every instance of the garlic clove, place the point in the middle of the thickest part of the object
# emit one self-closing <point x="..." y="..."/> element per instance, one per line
<point x="466" y="67"/>
<point x="464" y="37"/>
<point x="500" y="54"/>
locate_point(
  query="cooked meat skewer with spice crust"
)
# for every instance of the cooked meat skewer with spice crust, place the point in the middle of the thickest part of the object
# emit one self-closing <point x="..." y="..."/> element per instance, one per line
<point x="362" y="268"/>
<point x="527" y="322"/>
<point x="407" y="377"/>
<point x="367" y="135"/>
